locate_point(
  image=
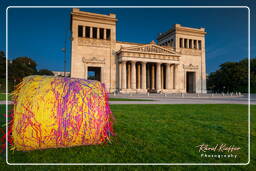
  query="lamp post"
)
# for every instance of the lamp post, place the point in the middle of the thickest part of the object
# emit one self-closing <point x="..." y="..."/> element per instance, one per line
<point x="10" y="61"/>
<point x="64" y="51"/>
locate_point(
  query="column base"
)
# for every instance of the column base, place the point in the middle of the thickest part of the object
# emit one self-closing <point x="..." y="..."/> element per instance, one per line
<point x="127" y="91"/>
<point x="169" y="91"/>
<point x="145" y="91"/>
<point x="141" y="91"/>
<point x="133" y="91"/>
<point x="123" y="91"/>
<point x="113" y="90"/>
<point x="204" y="91"/>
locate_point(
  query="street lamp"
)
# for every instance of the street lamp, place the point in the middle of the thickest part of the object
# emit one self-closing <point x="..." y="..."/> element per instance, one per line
<point x="64" y="51"/>
<point x="14" y="81"/>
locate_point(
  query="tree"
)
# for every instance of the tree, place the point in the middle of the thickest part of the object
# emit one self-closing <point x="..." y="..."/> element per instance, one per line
<point x="2" y="65"/>
<point x="17" y="70"/>
<point x="45" y="72"/>
<point x="253" y="76"/>
<point x="2" y="71"/>
<point x="233" y="77"/>
<point x="21" y="67"/>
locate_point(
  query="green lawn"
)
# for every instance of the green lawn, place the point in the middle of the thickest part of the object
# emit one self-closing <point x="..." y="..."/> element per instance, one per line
<point x="3" y="96"/>
<point x="158" y="134"/>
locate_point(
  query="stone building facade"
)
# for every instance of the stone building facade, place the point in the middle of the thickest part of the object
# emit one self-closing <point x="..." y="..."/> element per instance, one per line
<point x="176" y="64"/>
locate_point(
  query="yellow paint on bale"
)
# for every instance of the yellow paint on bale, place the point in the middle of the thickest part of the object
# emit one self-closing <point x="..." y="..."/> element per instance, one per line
<point x="52" y="112"/>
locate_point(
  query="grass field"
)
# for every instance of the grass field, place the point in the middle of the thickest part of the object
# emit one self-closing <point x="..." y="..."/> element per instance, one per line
<point x="158" y="134"/>
<point x="3" y="96"/>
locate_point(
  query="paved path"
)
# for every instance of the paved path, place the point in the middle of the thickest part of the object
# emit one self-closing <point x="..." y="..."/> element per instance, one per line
<point x="4" y="102"/>
<point x="191" y="99"/>
<point x="179" y="99"/>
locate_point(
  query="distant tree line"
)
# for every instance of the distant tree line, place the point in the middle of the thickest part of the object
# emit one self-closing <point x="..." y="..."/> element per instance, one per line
<point x="18" y="68"/>
<point x="233" y="77"/>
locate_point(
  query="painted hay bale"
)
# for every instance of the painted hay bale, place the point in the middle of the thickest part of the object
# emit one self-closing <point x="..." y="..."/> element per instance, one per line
<point x="52" y="112"/>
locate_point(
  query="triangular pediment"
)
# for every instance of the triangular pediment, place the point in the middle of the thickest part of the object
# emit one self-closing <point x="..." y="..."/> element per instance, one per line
<point x="150" y="48"/>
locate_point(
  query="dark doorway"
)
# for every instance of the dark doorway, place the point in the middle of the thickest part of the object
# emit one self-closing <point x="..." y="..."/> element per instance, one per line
<point x="94" y="73"/>
<point x="191" y="86"/>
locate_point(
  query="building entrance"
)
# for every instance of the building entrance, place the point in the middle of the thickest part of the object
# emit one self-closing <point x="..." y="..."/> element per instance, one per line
<point x="191" y="85"/>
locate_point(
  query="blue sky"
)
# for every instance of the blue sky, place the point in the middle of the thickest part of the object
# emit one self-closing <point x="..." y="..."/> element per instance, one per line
<point x="40" y="33"/>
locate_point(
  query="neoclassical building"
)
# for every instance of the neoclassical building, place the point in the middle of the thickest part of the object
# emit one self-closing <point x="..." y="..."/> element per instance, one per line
<point x="175" y="64"/>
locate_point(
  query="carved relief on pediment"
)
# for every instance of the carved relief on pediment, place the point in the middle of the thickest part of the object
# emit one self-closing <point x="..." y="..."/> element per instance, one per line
<point x="150" y="51"/>
<point x="150" y="48"/>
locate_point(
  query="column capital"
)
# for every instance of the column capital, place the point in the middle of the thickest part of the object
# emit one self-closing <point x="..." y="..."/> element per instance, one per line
<point x="143" y="62"/>
<point x="123" y="62"/>
<point x="133" y="62"/>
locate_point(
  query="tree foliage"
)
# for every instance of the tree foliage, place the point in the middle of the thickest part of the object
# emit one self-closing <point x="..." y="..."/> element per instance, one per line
<point x="21" y="67"/>
<point x="233" y="77"/>
<point x="45" y="72"/>
<point x="2" y="65"/>
<point x="18" y="69"/>
<point x="2" y="71"/>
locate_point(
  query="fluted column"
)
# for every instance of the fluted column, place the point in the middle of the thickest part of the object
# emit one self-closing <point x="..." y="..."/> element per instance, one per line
<point x="98" y="33"/>
<point x="158" y="76"/>
<point x="120" y="75"/>
<point x="138" y="82"/>
<point x="143" y="81"/>
<point x="90" y="32"/>
<point x="83" y="32"/>
<point x="123" y="74"/>
<point x="175" y="67"/>
<point x="172" y="75"/>
<point x="105" y="34"/>
<point x="162" y="77"/>
<point x="168" y="77"/>
<point x="133" y="75"/>
<point x="153" y="76"/>
<point x="129" y="76"/>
